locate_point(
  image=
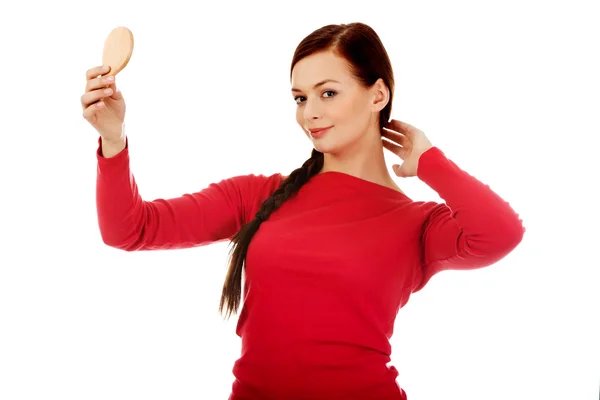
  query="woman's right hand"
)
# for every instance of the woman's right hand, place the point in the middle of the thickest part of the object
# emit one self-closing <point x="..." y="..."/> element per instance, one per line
<point x="103" y="105"/>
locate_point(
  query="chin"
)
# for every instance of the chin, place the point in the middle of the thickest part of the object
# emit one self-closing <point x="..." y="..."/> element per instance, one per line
<point x="324" y="147"/>
<point x="330" y="144"/>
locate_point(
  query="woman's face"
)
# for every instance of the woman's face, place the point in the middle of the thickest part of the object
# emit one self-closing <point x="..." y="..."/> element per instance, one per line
<point x="329" y="96"/>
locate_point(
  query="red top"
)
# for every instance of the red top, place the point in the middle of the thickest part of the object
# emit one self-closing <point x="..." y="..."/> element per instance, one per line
<point x="327" y="273"/>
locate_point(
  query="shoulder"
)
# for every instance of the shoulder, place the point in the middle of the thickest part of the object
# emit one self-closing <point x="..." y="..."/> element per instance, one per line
<point x="421" y="212"/>
<point x="246" y="188"/>
<point x="257" y="183"/>
<point x="432" y="209"/>
<point x="253" y="188"/>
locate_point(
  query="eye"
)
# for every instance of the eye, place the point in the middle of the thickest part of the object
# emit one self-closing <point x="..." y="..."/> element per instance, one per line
<point x="326" y="94"/>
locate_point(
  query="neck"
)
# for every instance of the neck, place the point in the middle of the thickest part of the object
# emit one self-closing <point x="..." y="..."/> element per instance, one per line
<point x="363" y="159"/>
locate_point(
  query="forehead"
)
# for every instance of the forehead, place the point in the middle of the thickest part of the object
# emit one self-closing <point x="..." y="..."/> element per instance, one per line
<point x="318" y="67"/>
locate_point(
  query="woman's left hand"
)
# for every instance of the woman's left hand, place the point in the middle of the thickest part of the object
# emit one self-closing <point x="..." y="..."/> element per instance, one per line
<point x="409" y="144"/>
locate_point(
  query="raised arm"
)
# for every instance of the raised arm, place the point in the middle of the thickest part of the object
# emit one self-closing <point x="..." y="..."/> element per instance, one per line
<point x="213" y="214"/>
<point x="473" y="229"/>
<point x="130" y="223"/>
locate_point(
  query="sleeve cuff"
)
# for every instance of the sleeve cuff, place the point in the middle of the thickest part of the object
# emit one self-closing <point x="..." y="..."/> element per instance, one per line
<point x="429" y="162"/>
<point x="118" y="160"/>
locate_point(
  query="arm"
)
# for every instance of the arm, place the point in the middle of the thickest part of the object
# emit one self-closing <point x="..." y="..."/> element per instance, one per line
<point x="473" y="229"/>
<point x="129" y="223"/>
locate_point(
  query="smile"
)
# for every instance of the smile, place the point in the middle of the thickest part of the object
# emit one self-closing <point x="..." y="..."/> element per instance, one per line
<point x="318" y="133"/>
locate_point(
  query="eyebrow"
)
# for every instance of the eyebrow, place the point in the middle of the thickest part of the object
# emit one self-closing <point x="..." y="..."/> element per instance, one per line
<point x="317" y="84"/>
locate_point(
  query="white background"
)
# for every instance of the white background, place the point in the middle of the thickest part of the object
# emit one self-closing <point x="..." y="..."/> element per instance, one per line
<point x="509" y="90"/>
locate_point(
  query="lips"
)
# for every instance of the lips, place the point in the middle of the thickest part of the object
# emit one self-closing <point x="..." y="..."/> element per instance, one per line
<point x="319" y="132"/>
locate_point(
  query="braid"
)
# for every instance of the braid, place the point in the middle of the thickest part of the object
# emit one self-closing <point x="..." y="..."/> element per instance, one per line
<point x="232" y="288"/>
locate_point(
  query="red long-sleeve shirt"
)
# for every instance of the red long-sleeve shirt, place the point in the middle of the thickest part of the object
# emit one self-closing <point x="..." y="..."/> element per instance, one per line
<point x="327" y="273"/>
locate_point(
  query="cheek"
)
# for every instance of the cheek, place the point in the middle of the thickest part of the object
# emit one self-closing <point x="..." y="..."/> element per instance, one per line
<point x="354" y="117"/>
<point x="360" y="107"/>
<point x="300" y="117"/>
<point x="350" y="111"/>
<point x="300" y="120"/>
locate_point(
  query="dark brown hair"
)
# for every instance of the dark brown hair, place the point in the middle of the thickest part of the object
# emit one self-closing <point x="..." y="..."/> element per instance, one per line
<point x="368" y="60"/>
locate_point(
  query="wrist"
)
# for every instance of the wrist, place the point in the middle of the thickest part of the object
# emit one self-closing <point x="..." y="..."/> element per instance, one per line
<point x="111" y="148"/>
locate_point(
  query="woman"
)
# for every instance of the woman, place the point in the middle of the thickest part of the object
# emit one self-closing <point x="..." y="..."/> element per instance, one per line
<point x="331" y="252"/>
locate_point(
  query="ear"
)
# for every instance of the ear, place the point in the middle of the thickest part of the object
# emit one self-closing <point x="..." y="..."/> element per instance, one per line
<point x="381" y="95"/>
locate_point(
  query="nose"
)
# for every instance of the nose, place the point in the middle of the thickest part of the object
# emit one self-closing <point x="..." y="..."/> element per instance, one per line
<point x="312" y="110"/>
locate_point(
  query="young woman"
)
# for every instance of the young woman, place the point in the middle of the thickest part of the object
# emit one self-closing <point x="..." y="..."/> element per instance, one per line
<point x="330" y="253"/>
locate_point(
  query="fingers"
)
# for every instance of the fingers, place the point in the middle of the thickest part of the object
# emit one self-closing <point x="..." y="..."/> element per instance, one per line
<point x="395" y="136"/>
<point x="96" y="71"/>
<point x="95" y="96"/>
<point x="89" y="112"/>
<point x="399" y="171"/>
<point x="116" y="93"/>
<point x="394" y="148"/>
<point x="402" y="127"/>
<point x="99" y="87"/>
<point x="99" y="82"/>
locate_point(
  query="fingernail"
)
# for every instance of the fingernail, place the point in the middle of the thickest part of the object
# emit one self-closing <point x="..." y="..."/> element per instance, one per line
<point x="110" y="78"/>
<point x="108" y="91"/>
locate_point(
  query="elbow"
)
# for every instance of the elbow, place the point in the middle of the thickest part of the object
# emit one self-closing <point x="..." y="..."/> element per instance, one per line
<point x="518" y="234"/>
<point x="502" y="240"/>
<point x="122" y="234"/>
<point x="512" y="235"/>
<point x="118" y="241"/>
<point x="116" y="244"/>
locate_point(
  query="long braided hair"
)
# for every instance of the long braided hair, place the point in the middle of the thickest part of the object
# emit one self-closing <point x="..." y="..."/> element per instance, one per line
<point x="362" y="48"/>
